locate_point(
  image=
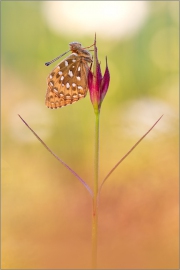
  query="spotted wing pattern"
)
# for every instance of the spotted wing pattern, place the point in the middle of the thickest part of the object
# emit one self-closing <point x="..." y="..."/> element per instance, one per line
<point x="67" y="83"/>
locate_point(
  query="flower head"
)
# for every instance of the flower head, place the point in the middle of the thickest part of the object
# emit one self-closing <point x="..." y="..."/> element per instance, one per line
<point x="97" y="84"/>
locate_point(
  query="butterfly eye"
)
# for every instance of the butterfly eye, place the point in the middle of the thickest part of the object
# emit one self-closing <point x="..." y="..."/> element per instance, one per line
<point x="74" y="43"/>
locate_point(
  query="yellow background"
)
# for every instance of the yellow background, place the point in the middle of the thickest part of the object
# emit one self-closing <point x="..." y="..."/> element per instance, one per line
<point x="46" y="211"/>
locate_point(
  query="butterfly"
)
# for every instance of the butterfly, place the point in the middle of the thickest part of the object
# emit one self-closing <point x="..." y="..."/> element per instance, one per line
<point x="68" y="81"/>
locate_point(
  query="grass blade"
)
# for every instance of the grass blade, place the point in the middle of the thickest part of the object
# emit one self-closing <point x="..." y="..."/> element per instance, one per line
<point x="62" y="162"/>
<point x="119" y="162"/>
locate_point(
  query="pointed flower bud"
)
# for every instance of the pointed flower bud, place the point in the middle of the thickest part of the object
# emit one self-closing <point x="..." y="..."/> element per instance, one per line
<point x="97" y="84"/>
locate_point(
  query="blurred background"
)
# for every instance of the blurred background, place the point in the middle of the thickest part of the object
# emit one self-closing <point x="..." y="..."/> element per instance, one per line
<point x="46" y="211"/>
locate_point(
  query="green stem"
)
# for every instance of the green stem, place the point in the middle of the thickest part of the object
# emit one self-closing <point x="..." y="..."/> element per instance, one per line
<point x="95" y="198"/>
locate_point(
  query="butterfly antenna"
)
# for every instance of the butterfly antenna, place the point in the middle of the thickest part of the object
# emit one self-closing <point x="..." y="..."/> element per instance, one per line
<point x="50" y="62"/>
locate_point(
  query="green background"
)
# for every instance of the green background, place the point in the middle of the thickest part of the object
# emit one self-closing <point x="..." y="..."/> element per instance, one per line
<point x="46" y="212"/>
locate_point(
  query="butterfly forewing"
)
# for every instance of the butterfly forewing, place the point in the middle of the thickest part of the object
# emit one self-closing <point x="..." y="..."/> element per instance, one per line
<point x="67" y="83"/>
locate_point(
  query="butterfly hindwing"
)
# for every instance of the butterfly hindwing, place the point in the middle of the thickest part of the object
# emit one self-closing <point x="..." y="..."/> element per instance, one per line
<point x="67" y="83"/>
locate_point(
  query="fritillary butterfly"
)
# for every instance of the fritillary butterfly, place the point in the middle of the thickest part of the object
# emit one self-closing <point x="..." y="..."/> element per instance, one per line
<point x="67" y="83"/>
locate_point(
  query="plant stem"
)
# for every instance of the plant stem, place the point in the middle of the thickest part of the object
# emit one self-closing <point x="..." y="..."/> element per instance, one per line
<point x="95" y="198"/>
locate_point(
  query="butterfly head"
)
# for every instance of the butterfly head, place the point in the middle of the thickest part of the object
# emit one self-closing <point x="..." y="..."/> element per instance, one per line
<point x="75" y="46"/>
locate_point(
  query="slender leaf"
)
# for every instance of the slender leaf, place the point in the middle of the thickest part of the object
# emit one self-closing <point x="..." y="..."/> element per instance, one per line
<point x="127" y="154"/>
<point x="62" y="162"/>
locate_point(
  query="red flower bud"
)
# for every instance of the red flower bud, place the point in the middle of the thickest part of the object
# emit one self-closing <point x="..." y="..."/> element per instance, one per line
<point x="97" y="84"/>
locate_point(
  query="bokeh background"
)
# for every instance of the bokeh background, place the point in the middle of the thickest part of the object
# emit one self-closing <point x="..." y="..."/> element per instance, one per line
<point x="46" y="212"/>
